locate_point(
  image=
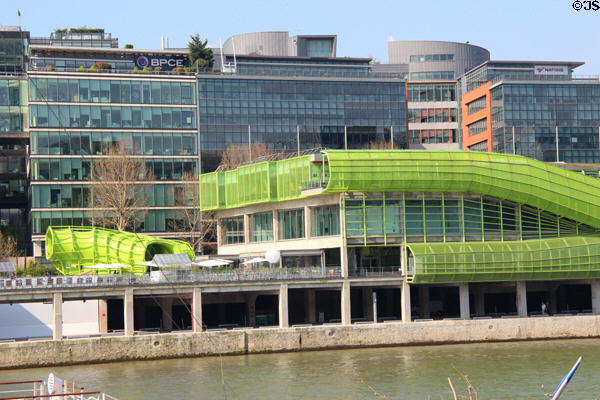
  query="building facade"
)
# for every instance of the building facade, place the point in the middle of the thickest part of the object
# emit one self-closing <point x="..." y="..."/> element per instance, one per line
<point x="14" y="138"/>
<point x="538" y="109"/>
<point x="280" y="44"/>
<point x="296" y="103"/>
<point x="433" y="68"/>
<point x="78" y="114"/>
<point x="434" y="234"/>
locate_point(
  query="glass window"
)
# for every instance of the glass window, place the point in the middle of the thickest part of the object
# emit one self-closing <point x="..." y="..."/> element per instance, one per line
<point x="232" y="230"/>
<point x="325" y="221"/>
<point x="291" y="224"/>
<point x="261" y="227"/>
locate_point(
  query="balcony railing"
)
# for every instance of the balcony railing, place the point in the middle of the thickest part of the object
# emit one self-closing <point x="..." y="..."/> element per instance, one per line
<point x="171" y="277"/>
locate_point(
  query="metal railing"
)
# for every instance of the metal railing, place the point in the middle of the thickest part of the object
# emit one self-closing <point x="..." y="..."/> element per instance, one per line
<point x="170" y="277"/>
<point x="395" y="271"/>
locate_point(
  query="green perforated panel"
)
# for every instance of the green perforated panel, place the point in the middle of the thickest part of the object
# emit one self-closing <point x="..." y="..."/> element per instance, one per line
<point x="83" y="246"/>
<point x="540" y="259"/>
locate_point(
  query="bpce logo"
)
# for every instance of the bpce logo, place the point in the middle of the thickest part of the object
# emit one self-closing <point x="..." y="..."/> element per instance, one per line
<point x="142" y="61"/>
<point x="587" y="5"/>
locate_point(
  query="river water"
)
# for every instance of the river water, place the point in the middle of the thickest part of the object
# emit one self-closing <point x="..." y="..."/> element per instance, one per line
<point x="497" y="371"/>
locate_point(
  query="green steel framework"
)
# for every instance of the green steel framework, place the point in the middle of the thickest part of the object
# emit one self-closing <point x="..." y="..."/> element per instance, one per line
<point x="566" y="194"/>
<point x="72" y="248"/>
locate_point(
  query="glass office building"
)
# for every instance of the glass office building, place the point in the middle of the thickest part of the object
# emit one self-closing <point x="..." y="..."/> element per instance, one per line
<point x="75" y="119"/>
<point x="300" y="105"/>
<point x="13" y="129"/>
<point x="524" y="107"/>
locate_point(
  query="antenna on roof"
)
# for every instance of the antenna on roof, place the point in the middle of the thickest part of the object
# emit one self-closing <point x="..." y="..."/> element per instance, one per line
<point x="19" y="15"/>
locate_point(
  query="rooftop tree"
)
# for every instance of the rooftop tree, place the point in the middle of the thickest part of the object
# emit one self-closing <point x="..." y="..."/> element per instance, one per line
<point x="199" y="52"/>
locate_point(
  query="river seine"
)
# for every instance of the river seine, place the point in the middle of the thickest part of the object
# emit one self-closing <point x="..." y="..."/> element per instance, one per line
<point x="497" y="371"/>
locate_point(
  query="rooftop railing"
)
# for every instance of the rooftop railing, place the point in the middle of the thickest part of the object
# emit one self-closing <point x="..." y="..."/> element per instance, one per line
<point x="171" y="277"/>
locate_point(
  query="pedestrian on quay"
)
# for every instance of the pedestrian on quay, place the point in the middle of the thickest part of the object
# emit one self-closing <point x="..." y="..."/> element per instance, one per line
<point x="544" y="308"/>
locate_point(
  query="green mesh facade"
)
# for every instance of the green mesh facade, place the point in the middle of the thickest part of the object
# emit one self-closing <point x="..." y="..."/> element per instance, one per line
<point x="465" y="216"/>
<point x="542" y="259"/>
<point x="72" y="248"/>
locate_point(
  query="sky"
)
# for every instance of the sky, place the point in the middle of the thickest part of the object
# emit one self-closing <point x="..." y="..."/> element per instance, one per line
<point x="509" y="29"/>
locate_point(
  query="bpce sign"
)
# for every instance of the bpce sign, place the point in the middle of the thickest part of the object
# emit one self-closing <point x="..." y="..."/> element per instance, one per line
<point x="166" y="63"/>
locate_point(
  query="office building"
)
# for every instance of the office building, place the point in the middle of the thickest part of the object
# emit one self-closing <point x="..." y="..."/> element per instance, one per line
<point x="79" y="108"/>
<point x="433" y="67"/>
<point x="538" y="109"/>
<point x="14" y="129"/>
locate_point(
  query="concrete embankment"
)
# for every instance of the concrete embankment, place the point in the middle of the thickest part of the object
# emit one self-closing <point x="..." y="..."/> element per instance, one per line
<point x="173" y="345"/>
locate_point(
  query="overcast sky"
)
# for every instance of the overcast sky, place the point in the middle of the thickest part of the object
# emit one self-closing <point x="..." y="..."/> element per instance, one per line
<point x="515" y="30"/>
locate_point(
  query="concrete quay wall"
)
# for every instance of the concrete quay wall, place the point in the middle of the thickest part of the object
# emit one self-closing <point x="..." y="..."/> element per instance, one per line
<point x="264" y="340"/>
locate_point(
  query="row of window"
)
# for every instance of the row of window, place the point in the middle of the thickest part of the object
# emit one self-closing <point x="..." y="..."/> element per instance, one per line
<point x="432" y="76"/>
<point x="148" y="221"/>
<point x="448" y="217"/>
<point x="53" y="116"/>
<point x="86" y="143"/>
<point x="477" y="105"/>
<point x="426" y="136"/>
<point x="79" y="196"/>
<point x="432" y="57"/>
<point x="477" y="127"/>
<point x="425" y="115"/>
<point x="431" y="92"/>
<point x="292" y="89"/>
<point x="105" y="91"/>
<point x="77" y="169"/>
<point x="324" y="222"/>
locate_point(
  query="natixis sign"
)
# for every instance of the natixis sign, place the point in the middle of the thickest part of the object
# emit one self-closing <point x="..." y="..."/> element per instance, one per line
<point x="551" y="70"/>
<point x="166" y="63"/>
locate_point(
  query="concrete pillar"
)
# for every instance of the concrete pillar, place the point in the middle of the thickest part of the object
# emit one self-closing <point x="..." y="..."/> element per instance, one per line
<point x="166" y="305"/>
<point x="37" y="248"/>
<point x="595" y="296"/>
<point x="479" y="302"/>
<point x="307" y="222"/>
<point x="219" y="234"/>
<point x="367" y="303"/>
<point x="102" y="316"/>
<point x="344" y="261"/>
<point x="57" y="323"/>
<point x="522" y="298"/>
<point x="424" y="311"/>
<point x="463" y="294"/>
<point x="128" y="312"/>
<point x="405" y="301"/>
<point x="283" y="306"/>
<point x="197" y="310"/>
<point x="251" y="307"/>
<point x="311" y="309"/>
<point x="346" y="313"/>
<point x="246" y="228"/>
<point x="275" y="225"/>
<point x="404" y="262"/>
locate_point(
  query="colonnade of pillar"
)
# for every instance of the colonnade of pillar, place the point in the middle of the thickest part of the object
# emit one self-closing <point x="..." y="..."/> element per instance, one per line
<point x="368" y="305"/>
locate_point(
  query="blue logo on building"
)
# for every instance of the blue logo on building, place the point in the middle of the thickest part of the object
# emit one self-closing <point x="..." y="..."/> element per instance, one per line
<point x="142" y="61"/>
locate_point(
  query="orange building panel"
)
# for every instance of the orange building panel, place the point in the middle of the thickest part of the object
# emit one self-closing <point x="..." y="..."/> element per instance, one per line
<point x="486" y="113"/>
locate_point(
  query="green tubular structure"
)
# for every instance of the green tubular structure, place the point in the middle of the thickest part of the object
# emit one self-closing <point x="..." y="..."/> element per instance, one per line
<point x="540" y="259"/>
<point x="72" y="248"/>
<point x="567" y="194"/>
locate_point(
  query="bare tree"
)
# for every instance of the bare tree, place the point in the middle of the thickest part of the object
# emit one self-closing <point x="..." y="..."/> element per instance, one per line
<point x="237" y="154"/>
<point x="8" y="246"/>
<point x="199" y="227"/>
<point x="117" y="191"/>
